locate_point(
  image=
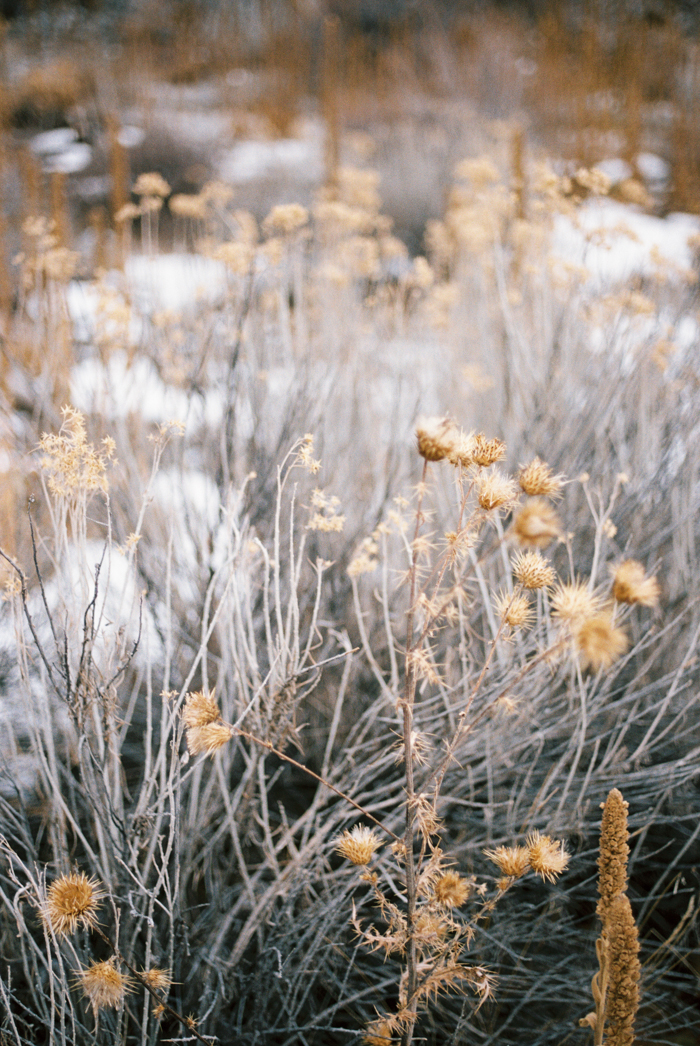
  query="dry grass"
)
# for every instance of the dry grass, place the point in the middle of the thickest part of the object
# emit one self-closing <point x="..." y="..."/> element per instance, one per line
<point x="249" y="617"/>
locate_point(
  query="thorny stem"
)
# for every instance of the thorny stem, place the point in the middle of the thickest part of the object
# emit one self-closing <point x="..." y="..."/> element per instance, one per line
<point x="407" y="707"/>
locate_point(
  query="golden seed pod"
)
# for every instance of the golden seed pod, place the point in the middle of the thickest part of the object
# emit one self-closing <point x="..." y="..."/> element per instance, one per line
<point x="574" y="602"/>
<point x="538" y="480"/>
<point x="630" y="585"/>
<point x="436" y="438"/>
<point x="358" y="845"/>
<point x="71" y="901"/>
<point x="495" y="490"/>
<point x="208" y="738"/>
<point x="598" y="641"/>
<point x="513" y="861"/>
<point x="533" y="571"/>
<point x="487" y="452"/>
<point x="451" y="890"/>
<point x="515" y="610"/>
<point x="104" y="985"/>
<point x="547" y="857"/>
<point x="200" y="709"/>
<point x="536" y="523"/>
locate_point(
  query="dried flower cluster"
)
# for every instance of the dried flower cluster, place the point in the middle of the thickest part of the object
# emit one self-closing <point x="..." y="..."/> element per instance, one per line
<point x="104" y="985"/>
<point x="205" y="730"/>
<point x="72" y="900"/>
<point x="73" y="465"/>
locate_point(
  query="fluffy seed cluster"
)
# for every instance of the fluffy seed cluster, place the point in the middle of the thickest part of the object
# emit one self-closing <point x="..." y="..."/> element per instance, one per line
<point x="546" y="857"/>
<point x="159" y="980"/>
<point x="537" y="479"/>
<point x="358" y="845"/>
<point x="513" y="861"/>
<point x="104" y="985"/>
<point x="378" y="1033"/>
<point x="515" y="610"/>
<point x="598" y="641"/>
<point x="71" y="901"/>
<point x="487" y="452"/>
<point x="573" y="602"/>
<point x="494" y="490"/>
<point x="206" y="732"/>
<point x="536" y="523"/>
<point x="451" y="890"/>
<point x="436" y="438"/>
<point x="533" y="571"/>
<point x="630" y="585"/>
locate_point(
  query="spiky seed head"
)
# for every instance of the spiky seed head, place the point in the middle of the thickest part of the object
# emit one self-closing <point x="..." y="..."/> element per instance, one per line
<point x="208" y="738"/>
<point x="159" y="980"/>
<point x="514" y="609"/>
<point x="547" y="857"/>
<point x="598" y="641"/>
<point x="487" y="452"/>
<point x="462" y="450"/>
<point x="536" y="523"/>
<point x="513" y="861"/>
<point x="71" y="901"/>
<point x="630" y="585"/>
<point x="574" y="602"/>
<point x="614" y="851"/>
<point x="494" y="490"/>
<point x="358" y="845"/>
<point x="436" y="438"/>
<point x="451" y="890"/>
<point x="200" y="709"/>
<point x="538" y="480"/>
<point x="378" y="1033"/>
<point x="104" y="985"/>
<point x="533" y="571"/>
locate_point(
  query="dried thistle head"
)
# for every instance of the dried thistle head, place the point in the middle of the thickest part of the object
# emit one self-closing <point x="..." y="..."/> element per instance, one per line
<point x="462" y="450"/>
<point x="487" y="452"/>
<point x="533" y="571"/>
<point x="104" y="985"/>
<point x="614" y="851"/>
<point x="598" y="642"/>
<point x="536" y="523"/>
<point x="574" y="602"/>
<point x="630" y="585"/>
<point x="436" y="438"/>
<point x="71" y="901"/>
<point x="200" y="709"/>
<point x="208" y="738"/>
<point x="378" y="1033"/>
<point x="358" y="845"/>
<point x="151" y="184"/>
<point x="495" y="490"/>
<point x="514" y="609"/>
<point x="451" y="890"/>
<point x="547" y="857"/>
<point x="513" y="861"/>
<point x="159" y="980"/>
<point x="538" y="480"/>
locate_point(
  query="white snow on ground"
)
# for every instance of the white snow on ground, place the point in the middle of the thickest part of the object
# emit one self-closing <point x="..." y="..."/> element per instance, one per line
<point x="615" y="242"/>
<point x="300" y="159"/>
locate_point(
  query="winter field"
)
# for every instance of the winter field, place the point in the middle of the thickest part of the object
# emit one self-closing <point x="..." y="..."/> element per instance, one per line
<point x="348" y="540"/>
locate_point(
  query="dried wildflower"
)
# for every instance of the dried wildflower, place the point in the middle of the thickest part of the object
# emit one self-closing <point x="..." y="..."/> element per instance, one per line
<point x="513" y="861"/>
<point x="158" y="1011"/>
<point x="305" y="456"/>
<point x="574" y="602"/>
<point x="358" y="845"/>
<point x="286" y="218"/>
<point x="200" y="709"/>
<point x="631" y="586"/>
<point x="365" y="558"/>
<point x="451" y="890"/>
<point x="73" y="465"/>
<point x="533" y="571"/>
<point x="159" y="980"/>
<point x="614" y="851"/>
<point x="537" y="479"/>
<point x="436" y="438"/>
<point x="184" y="205"/>
<point x="104" y="985"/>
<point x="71" y="901"/>
<point x="598" y="641"/>
<point x="546" y="857"/>
<point x="487" y="451"/>
<point x="378" y="1033"/>
<point x="536" y="523"/>
<point x="494" y="490"/>
<point x="622" y="959"/>
<point x="326" y="518"/>
<point x="514" y="609"/>
<point x="151" y="184"/>
<point x="208" y="738"/>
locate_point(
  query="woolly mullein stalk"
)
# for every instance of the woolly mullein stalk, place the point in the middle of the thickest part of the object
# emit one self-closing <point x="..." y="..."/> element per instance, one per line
<point x="616" y="984"/>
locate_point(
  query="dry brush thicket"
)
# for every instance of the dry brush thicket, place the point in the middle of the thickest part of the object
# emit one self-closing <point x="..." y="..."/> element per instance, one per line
<point x="254" y="633"/>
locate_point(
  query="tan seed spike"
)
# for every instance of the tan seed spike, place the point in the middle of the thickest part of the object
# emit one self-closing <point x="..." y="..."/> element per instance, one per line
<point x="622" y="998"/>
<point x="614" y="851"/>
